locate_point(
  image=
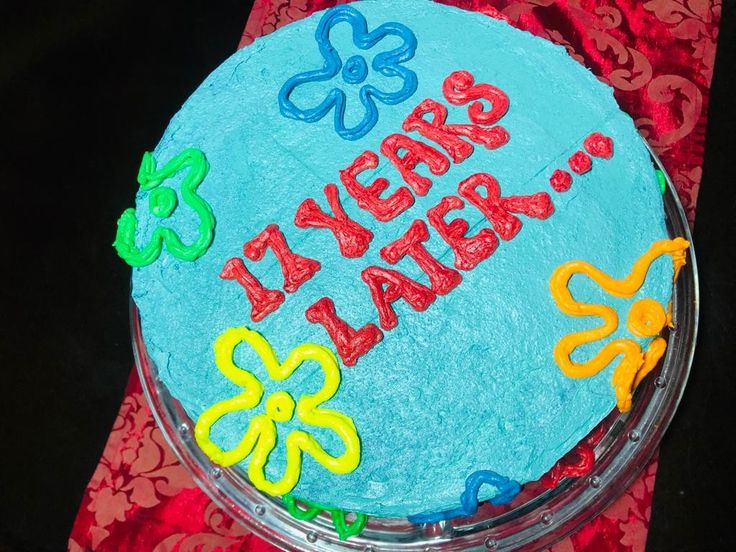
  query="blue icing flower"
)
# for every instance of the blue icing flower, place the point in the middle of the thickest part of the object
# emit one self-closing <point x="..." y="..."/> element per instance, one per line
<point x="354" y="72"/>
<point x="507" y="491"/>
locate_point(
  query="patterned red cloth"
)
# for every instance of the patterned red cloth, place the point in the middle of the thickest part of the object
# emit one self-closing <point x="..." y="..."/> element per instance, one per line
<point x="657" y="55"/>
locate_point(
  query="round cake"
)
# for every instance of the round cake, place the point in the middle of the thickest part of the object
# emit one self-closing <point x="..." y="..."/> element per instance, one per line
<point x="399" y="258"/>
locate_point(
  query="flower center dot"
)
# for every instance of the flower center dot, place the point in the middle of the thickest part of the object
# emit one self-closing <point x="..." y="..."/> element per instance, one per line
<point x="280" y="407"/>
<point x="162" y="202"/>
<point x="646" y="318"/>
<point x="355" y="70"/>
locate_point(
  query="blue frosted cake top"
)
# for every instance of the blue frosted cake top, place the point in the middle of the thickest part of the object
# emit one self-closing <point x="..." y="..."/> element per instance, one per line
<point x="469" y="383"/>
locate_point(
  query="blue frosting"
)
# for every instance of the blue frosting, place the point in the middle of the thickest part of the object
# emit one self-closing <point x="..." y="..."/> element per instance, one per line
<point x="470" y="384"/>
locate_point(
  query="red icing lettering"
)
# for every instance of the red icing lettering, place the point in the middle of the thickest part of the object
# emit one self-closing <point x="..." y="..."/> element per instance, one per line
<point x="351" y="344"/>
<point x="416" y="152"/>
<point x="498" y="209"/>
<point x="442" y="279"/>
<point x="352" y="238"/>
<point x="295" y="268"/>
<point x="459" y="89"/>
<point x="599" y="145"/>
<point x="469" y="251"/>
<point x="369" y="197"/>
<point x="580" y="162"/>
<point x="397" y="287"/>
<point x="448" y="136"/>
<point x="560" y="180"/>
<point x="566" y="467"/>
<point x="596" y="436"/>
<point x="263" y="301"/>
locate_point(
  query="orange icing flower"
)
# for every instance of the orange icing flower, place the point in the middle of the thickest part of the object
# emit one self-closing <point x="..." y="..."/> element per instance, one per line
<point x="646" y="318"/>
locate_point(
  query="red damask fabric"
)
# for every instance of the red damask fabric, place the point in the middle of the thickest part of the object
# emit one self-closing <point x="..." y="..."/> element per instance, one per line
<point x="657" y="55"/>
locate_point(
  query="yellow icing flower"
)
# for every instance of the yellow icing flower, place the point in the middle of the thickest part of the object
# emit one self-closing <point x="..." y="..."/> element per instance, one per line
<point x="261" y="435"/>
<point x="646" y="318"/>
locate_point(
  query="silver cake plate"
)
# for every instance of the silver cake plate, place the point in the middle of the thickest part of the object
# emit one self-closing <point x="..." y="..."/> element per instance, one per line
<point x="537" y="518"/>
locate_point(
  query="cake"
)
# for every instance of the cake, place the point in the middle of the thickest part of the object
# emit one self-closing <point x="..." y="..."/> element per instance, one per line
<point x="399" y="258"/>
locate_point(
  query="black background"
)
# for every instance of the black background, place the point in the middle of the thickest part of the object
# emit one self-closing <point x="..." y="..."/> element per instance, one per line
<point x="85" y="88"/>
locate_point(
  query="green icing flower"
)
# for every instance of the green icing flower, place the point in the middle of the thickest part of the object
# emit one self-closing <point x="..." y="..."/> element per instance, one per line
<point x="162" y="203"/>
<point x="344" y="528"/>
